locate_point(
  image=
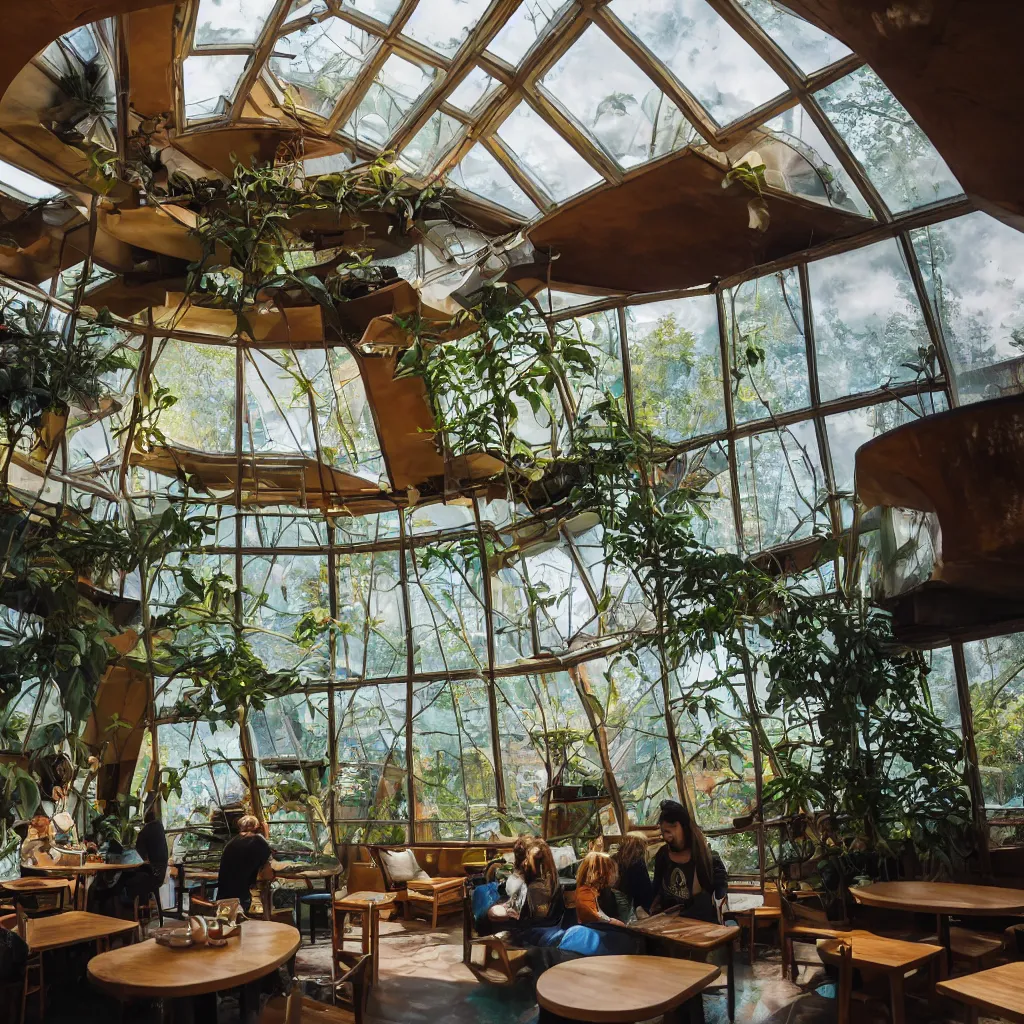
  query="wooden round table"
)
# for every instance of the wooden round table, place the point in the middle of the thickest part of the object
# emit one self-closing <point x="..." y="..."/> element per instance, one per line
<point x="150" y="971"/>
<point x="78" y="872"/>
<point x="942" y="899"/>
<point x="622" y="989"/>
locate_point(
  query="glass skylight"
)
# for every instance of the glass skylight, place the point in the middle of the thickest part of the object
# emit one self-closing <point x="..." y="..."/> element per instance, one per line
<point x="443" y="25"/>
<point x="382" y="10"/>
<point x="704" y="53"/>
<point x="210" y="83"/>
<point x="231" y="22"/>
<point x="897" y="156"/>
<point x="805" y="44"/>
<point x="318" y="61"/>
<point x="479" y="172"/>
<point x="613" y="100"/>
<point x="26" y="184"/>
<point x="472" y="90"/>
<point x="398" y="85"/>
<point x="545" y="155"/>
<point x="523" y="29"/>
<point x="430" y="143"/>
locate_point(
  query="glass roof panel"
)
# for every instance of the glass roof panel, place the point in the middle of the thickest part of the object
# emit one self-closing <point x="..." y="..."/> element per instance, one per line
<point x="971" y="268"/>
<point x="480" y="173"/>
<point x="382" y="10"/>
<point x="805" y="44"/>
<point x="704" y="53"/>
<point x="429" y="144"/>
<point x="867" y="321"/>
<point x="26" y="184"/>
<point x="398" y="85"/>
<point x="613" y="100"/>
<point x="523" y="28"/>
<point x="231" y="22"/>
<point x="443" y="25"/>
<point x="472" y="90"/>
<point x="305" y="9"/>
<point x="814" y="170"/>
<point x="210" y="82"/>
<point x="323" y="59"/>
<point x="545" y="155"/>
<point x="675" y="357"/>
<point x="897" y="156"/>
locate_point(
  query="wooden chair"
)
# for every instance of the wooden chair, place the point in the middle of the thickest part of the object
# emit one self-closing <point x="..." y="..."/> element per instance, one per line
<point x="508" y="962"/>
<point x="766" y="916"/>
<point x="435" y="896"/>
<point x="800" y="923"/>
<point x="35" y="983"/>
<point x="300" y="1009"/>
<point x="30" y="981"/>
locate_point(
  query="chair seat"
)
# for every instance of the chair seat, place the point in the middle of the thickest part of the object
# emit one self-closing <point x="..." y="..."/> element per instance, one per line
<point x="876" y="952"/>
<point x="432" y="885"/>
<point x="313" y="1012"/>
<point x="970" y="945"/>
<point x="316" y="897"/>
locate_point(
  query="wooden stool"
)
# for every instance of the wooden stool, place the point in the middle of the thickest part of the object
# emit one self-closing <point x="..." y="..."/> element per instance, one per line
<point x="754" y="918"/>
<point x="876" y="956"/>
<point x="368" y="906"/>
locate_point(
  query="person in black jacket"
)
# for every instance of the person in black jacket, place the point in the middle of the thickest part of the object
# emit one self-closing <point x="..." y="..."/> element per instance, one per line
<point x="245" y="860"/>
<point x="633" y="889"/>
<point x="687" y="873"/>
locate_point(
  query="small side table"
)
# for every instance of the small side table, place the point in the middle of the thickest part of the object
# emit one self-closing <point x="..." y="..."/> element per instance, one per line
<point x="754" y="918"/>
<point x="368" y="906"/>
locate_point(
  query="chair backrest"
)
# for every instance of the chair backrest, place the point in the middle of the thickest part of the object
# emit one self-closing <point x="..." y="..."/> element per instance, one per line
<point x="772" y="898"/>
<point x="845" y="992"/>
<point x="293" y="1007"/>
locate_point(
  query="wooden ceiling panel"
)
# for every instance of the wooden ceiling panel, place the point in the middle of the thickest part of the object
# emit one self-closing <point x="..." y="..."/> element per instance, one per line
<point x="674" y="226"/>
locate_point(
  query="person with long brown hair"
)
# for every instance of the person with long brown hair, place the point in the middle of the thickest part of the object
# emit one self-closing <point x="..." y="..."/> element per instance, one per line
<point x="687" y="873"/>
<point x="634" y="882"/>
<point x="534" y="906"/>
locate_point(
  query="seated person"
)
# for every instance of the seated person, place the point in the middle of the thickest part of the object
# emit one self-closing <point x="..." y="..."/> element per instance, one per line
<point x="688" y="874"/>
<point x="151" y="848"/>
<point x="597" y="875"/>
<point x="37" y="849"/>
<point x="245" y="860"/>
<point x="633" y="890"/>
<point x="533" y="910"/>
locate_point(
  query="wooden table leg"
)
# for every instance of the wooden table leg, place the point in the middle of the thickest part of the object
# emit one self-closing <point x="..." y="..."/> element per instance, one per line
<point x="249" y="1003"/>
<point x="898" y="1002"/>
<point x="944" y="939"/>
<point x="375" y="942"/>
<point x="730" y="978"/>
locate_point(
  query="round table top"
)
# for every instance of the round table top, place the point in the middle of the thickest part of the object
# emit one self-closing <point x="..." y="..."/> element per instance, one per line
<point x="148" y="970"/>
<point x="30" y="884"/>
<point x="90" y="868"/>
<point x="941" y="898"/>
<point x="621" y="989"/>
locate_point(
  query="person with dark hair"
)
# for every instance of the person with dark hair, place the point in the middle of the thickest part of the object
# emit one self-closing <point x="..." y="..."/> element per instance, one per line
<point x="687" y="873"/>
<point x="633" y="889"/>
<point x="151" y="846"/>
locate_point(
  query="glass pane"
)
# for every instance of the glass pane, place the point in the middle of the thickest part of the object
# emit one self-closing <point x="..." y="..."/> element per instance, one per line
<point x="282" y="589"/>
<point x="545" y="156"/>
<point x="807" y="165"/>
<point x="472" y="90"/>
<point x="767" y="350"/>
<point x="371" y="784"/>
<point x="318" y="61"/>
<point x="705" y="469"/>
<point x="454" y="762"/>
<point x="523" y="28"/>
<point x="704" y="52"/>
<point x="675" y="359"/>
<point x="370" y="630"/>
<point x="971" y="267"/>
<point x="995" y="671"/>
<point x="429" y="144"/>
<point x="397" y="87"/>
<point x="781" y="486"/>
<point x="480" y="173"/>
<point x="897" y="156"/>
<point x="231" y="22"/>
<point x="291" y="729"/>
<point x="382" y="10"/>
<point x="28" y="185"/>
<point x="209" y="83"/>
<point x="805" y="44"/>
<point x="202" y="378"/>
<point x="443" y="25"/>
<point x="868" y="325"/>
<point x="613" y="100"/>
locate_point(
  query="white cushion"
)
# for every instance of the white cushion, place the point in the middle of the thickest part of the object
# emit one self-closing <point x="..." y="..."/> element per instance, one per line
<point x="402" y="866"/>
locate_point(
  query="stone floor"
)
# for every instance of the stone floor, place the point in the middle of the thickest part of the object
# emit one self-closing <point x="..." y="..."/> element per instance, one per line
<point x="423" y="981"/>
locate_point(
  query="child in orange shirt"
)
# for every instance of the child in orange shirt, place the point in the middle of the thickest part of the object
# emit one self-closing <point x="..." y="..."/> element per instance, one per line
<point x="596" y="873"/>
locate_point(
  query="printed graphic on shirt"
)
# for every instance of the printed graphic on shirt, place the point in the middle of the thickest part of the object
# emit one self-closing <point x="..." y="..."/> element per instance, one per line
<point x="676" y="884"/>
